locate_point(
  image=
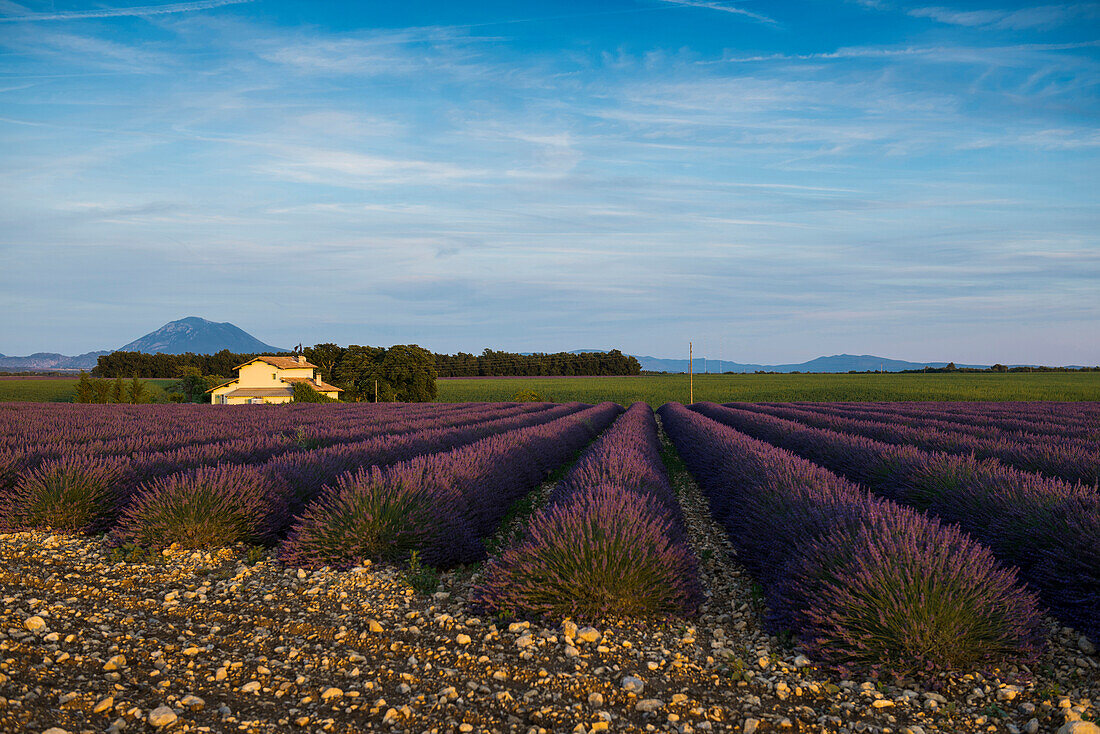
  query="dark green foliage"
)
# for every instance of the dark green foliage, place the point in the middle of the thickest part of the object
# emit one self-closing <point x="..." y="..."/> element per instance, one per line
<point x="127" y="364"/>
<point x="101" y="391"/>
<point x="403" y="373"/>
<point x="192" y="385"/>
<point x="137" y="391"/>
<point x="424" y="579"/>
<point x="84" y="391"/>
<point x="303" y="393"/>
<point x="118" y="391"/>
<point x="508" y="364"/>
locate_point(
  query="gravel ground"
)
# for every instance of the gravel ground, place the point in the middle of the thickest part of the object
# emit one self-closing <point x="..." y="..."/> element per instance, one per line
<point x="226" y="641"/>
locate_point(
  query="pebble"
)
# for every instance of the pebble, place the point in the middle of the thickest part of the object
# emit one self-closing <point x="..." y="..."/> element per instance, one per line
<point x="332" y="693"/>
<point x="595" y="700"/>
<point x="161" y="717"/>
<point x="56" y="730"/>
<point x="1084" y="644"/>
<point x="192" y="702"/>
<point x="588" y="634"/>
<point x="117" y="662"/>
<point x="649" y="704"/>
<point x="104" y="704"/>
<point x="631" y="684"/>
<point x="749" y="727"/>
<point x="35" y="623"/>
<point x="252" y="686"/>
<point x="1079" y="727"/>
<point x="463" y="639"/>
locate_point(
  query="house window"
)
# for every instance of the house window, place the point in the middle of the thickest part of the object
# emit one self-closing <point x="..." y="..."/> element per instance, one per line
<point x="272" y="375"/>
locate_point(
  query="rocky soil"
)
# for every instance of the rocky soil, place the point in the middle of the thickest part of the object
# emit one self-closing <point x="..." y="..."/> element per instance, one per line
<point x="233" y="641"/>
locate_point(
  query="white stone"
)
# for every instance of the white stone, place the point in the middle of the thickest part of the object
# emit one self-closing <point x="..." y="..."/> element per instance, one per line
<point x="649" y="704"/>
<point x="1085" y="645"/>
<point x="749" y="727"/>
<point x="633" y="685"/>
<point x="1079" y="727"/>
<point x="588" y="634"/>
<point x="162" y="716"/>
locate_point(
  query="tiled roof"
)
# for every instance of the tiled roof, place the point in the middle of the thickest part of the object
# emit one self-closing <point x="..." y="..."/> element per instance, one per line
<point x="283" y="363"/>
<point x="318" y="385"/>
<point x="230" y="382"/>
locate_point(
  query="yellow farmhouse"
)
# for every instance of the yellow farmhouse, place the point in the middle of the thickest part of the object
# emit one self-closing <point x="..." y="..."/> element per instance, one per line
<point x="270" y="380"/>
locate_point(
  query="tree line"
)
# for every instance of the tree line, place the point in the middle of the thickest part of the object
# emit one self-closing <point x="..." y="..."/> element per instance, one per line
<point x="560" y="364"/>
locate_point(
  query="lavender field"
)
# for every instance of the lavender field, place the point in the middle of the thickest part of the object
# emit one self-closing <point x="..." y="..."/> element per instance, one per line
<point x="908" y="540"/>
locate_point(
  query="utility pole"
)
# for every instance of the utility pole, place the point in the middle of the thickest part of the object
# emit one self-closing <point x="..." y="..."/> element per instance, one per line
<point x="691" y="378"/>
<point x="376" y="391"/>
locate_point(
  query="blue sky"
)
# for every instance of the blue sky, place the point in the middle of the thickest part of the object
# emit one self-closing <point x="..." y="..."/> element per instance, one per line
<point x="772" y="180"/>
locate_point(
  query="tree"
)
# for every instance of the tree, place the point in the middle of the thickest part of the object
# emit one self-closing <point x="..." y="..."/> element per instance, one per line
<point x="101" y="391"/>
<point x="951" y="367"/>
<point x="192" y="384"/>
<point x="303" y="393"/>
<point x="998" y="368"/>
<point x="85" y="393"/>
<point x="137" y="391"/>
<point x="324" y="356"/>
<point x="409" y="372"/>
<point x="118" y="390"/>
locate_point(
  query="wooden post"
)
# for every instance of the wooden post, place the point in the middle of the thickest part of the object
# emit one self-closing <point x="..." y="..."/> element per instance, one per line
<point x="691" y="378"/>
<point x="376" y="391"/>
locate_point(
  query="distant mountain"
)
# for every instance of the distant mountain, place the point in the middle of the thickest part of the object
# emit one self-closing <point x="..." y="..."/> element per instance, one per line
<point x="835" y="363"/>
<point x="44" y="361"/>
<point x="191" y="334"/>
<point x="199" y="336"/>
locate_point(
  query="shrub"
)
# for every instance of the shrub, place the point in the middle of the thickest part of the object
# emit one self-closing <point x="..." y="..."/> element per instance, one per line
<point x="606" y="551"/>
<point x="72" y="493"/>
<point x="367" y="515"/>
<point x="206" y="507"/>
<point x="859" y="578"/>
<point x="528" y="396"/>
<point x="304" y="393"/>
<point x="908" y="596"/>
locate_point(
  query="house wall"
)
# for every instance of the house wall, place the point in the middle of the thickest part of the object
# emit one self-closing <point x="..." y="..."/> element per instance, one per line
<point x="262" y="374"/>
<point x="246" y="400"/>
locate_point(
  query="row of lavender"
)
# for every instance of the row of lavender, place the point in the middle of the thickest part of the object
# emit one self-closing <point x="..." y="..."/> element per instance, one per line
<point x="443" y="505"/>
<point x="610" y="540"/>
<point x="47" y="431"/>
<point x="1069" y="420"/>
<point x="1047" y="529"/>
<point x="859" y="578"/>
<point x="1071" y="459"/>
<point x="86" y="492"/>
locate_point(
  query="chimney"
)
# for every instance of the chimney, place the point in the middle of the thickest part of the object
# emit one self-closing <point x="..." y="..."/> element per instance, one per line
<point x="301" y="359"/>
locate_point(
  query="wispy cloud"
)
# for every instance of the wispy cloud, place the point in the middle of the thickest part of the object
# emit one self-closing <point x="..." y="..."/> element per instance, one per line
<point x="140" y="11"/>
<point x="722" y="7"/>
<point x="1042" y="17"/>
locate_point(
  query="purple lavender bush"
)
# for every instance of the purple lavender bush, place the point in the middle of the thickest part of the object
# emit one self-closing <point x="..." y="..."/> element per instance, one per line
<point x="72" y="493"/>
<point x="369" y="515"/>
<point x="607" y="551"/>
<point x="899" y="593"/>
<point x="1046" y="528"/>
<point x="860" y="579"/>
<point x="609" y="542"/>
<point x="206" y="507"/>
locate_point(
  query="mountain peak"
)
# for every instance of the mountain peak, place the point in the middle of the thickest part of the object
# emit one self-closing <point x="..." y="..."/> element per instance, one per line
<point x="195" y="334"/>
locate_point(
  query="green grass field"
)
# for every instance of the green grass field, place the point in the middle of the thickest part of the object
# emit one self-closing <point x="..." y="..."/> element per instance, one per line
<point x="59" y="390"/>
<point x="659" y="389"/>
